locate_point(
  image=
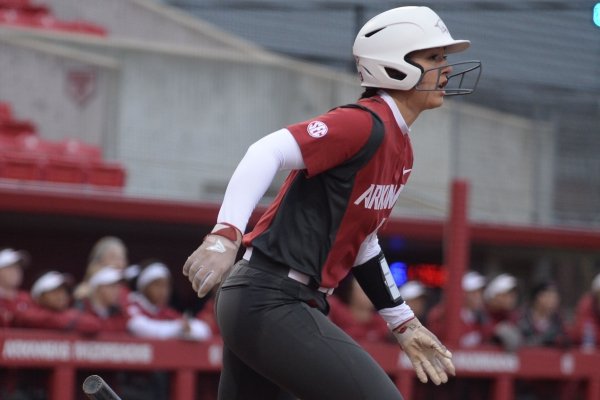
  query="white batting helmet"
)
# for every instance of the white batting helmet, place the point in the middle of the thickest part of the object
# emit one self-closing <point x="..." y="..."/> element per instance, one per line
<point x="382" y="44"/>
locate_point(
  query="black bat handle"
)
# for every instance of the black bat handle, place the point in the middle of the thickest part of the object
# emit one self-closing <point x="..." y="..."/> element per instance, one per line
<point x="97" y="389"/>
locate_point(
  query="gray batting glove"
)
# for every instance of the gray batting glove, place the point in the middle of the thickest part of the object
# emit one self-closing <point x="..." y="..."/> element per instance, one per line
<point x="427" y="354"/>
<point x="208" y="264"/>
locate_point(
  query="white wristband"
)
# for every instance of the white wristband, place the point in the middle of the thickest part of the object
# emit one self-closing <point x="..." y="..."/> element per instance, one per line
<point x="396" y="316"/>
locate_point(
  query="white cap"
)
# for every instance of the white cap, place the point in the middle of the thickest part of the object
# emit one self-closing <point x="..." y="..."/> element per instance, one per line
<point x="10" y="257"/>
<point x="106" y="276"/>
<point x="596" y="284"/>
<point x="472" y="280"/>
<point x="131" y="272"/>
<point x="47" y="282"/>
<point x="501" y="284"/>
<point x="151" y="273"/>
<point x="411" y="290"/>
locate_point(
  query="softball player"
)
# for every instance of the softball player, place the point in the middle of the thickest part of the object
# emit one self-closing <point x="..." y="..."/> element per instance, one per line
<point x="348" y="167"/>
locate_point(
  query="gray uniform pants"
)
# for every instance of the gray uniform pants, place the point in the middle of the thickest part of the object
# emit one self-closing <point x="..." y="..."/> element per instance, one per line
<point x="280" y="344"/>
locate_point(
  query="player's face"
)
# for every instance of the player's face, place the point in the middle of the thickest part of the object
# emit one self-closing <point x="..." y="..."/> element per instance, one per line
<point x="108" y="295"/>
<point x="57" y="299"/>
<point x="159" y="291"/>
<point x="429" y="92"/>
<point x="11" y="277"/>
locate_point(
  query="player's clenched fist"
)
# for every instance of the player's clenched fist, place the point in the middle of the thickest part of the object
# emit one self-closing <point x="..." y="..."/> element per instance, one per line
<point x="426" y="353"/>
<point x="207" y="265"/>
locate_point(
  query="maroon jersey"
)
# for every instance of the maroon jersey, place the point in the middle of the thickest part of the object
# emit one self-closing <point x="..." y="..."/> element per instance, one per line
<point x="38" y="317"/>
<point x="357" y="162"/>
<point x="11" y="305"/>
<point x="115" y="320"/>
<point x="140" y="305"/>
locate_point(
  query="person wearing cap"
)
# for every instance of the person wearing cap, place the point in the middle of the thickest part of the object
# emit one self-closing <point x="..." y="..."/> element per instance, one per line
<point x="351" y="310"/>
<point x="51" y="307"/>
<point x="149" y="311"/>
<point x="12" y="298"/>
<point x="415" y="295"/>
<point x="585" y="330"/>
<point x="473" y="320"/>
<point x="501" y="305"/>
<point x="541" y="322"/>
<point x="104" y="300"/>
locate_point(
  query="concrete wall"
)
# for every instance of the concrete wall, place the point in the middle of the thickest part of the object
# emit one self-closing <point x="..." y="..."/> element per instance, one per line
<point x="497" y="153"/>
<point x="148" y="21"/>
<point x="65" y="92"/>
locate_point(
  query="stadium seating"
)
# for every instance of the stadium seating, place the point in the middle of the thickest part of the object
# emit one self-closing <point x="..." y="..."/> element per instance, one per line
<point x="20" y="166"/>
<point x="24" y="13"/>
<point x="26" y="156"/>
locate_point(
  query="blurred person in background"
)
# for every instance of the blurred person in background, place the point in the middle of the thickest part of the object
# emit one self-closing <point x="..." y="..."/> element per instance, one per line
<point x="104" y="302"/>
<point x="473" y="319"/>
<point x="149" y="311"/>
<point x="501" y="305"/>
<point x="541" y="322"/>
<point x="51" y="307"/>
<point x="415" y="295"/>
<point x="585" y="330"/>
<point x="351" y="310"/>
<point x="348" y="167"/>
<point x="12" y="298"/>
<point x="108" y="250"/>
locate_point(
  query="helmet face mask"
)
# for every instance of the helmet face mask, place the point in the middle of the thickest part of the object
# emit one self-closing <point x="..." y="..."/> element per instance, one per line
<point x="462" y="80"/>
<point x="382" y="46"/>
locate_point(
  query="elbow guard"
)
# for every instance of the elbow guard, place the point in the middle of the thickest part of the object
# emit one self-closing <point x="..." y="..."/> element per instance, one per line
<point x="375" y="278"/>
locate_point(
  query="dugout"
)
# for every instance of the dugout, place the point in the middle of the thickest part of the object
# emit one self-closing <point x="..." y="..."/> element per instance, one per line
<point x="58" y="225"/>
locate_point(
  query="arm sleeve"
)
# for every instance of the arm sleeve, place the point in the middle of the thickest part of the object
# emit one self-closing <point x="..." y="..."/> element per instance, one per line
<point x="369" y="249"/>
<point x="146" y="327"/>
<point x="396" y="316"/>
<point x="199" y="330"/>
<point x="255" y="172"/>
<point x="369" y="274"/>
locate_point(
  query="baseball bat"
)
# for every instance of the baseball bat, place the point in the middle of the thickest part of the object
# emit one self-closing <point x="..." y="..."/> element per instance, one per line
<point x="97" y="389"/>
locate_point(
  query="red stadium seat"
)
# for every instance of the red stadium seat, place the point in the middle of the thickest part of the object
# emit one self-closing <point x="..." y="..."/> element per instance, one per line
<point x="14" y="4"/>
<point x="21" y="166"/>
<point x="40" y="17"/>
<point x="75" y="148"/>
<point x="8" y="143"/>
<point x="14" y="128"/>
<point x="63" y="170"/>
<point x="5" y="112"/>
<point x="34" y="144"/>
<point x="106" y="174"/>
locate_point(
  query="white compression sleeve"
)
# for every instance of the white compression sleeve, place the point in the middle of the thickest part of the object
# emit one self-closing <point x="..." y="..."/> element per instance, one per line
<point x="255" y="172"/>
<point x="396" y="316"/>
<point x="369" y="248"/>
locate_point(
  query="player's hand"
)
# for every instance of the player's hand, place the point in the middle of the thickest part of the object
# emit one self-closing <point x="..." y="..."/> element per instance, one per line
<point x="427" y="354"/>
<point x="207" y="265"/>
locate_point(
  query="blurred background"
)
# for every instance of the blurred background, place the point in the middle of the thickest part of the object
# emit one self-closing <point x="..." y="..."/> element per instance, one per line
<point x="170" y="94"/>
<point x="126" y="118"/>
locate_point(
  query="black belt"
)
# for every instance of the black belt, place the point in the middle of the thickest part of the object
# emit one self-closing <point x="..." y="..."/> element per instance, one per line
<point x="263" y="262"/>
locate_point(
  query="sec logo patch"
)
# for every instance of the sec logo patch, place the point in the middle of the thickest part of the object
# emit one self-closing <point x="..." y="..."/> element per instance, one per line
<point x="317" y="129"/>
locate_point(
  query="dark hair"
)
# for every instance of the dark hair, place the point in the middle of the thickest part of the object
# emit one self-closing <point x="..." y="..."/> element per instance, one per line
<point x="369" y="92"/>
<point x="542" y="286"/>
